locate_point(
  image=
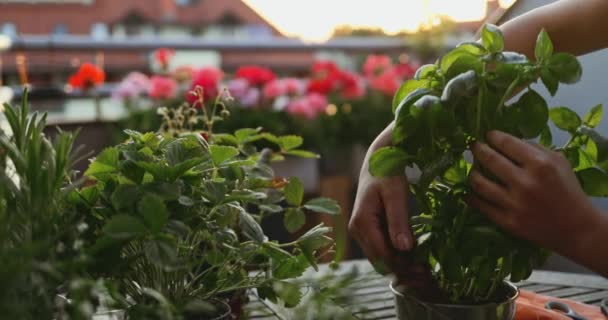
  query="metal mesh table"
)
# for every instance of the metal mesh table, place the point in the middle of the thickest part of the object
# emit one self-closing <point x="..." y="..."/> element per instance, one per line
<point x="378" y="303"/>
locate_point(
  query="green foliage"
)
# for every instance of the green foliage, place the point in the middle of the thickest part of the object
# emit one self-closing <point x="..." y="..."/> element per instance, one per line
<point x="177" y="217"/>
<point x="41" y="235"/>
<point x="455" y="102"/>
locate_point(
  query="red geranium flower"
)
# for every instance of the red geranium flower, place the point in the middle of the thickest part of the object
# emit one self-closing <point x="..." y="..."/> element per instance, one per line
<point x="325" y="77"/>
<point x="257" y="76"/>
<point x="87" y="77"/>
<point x="208" y="79"/>
<point x="352" y="85"/>
<point x="163" y="56"/>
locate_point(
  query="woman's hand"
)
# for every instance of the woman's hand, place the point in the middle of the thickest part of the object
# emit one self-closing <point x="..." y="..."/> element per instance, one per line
<point x="380" y="223"/>
<point x="537" y="198"/>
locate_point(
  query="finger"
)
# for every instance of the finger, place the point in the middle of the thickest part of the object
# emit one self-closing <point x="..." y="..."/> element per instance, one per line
<point x="515" y="149"/>
<point x="394" y="197"/>
<point x="489" y="190"/>
<point x="490" y="210"/>
<point x="499" y="165"/>
<point x="365" y="226"/>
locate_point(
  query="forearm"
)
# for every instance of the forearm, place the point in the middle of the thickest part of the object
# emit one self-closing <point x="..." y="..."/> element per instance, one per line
<point x="575" y="26"/>
<point x="588" y="245"/>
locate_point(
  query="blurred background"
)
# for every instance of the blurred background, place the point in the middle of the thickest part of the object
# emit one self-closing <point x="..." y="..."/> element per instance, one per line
<point x="326" y="70"/>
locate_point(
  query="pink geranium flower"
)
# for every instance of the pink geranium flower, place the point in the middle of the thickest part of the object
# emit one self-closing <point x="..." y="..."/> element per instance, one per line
<point x="162" y="88"/>
<point x="388" y="82"/>
<point x="132" y="86"/>
<point x="309" y="106"/>
<point x="352" y="86"/>
<point x="274" y="88"/>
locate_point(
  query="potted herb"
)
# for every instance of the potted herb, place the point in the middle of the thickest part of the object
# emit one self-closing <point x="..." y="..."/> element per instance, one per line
<point x="176" y="215"/>
<point x="438" y="114"/>
<point x="41" y="235"/>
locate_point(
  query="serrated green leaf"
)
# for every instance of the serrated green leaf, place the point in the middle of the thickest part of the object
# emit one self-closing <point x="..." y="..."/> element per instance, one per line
<point x="593" y="118"/>
<point x="565" y="119"/>
<point x="155" y="213"/>
<point x="290" y="142"/>
<point x="105" y="163"/>
<point x="294" y="219"/>
<point x="124" y="196"/>
<point x="161" y="252"/>
<point x="323" y="205"/>
<point x="124" y="227"/>
<point x="220" y="154"/>
<point x="388" y="161"/>
<point x="242" y="135"/>
<point x="288" y="292"/>
<point x="294" y="192"/>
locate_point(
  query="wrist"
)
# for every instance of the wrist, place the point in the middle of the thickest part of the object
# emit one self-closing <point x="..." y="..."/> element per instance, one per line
<point x="585" y="241"/>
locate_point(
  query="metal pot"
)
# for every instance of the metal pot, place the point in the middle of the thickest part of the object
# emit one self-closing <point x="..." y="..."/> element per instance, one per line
<point x="410" y="308"/>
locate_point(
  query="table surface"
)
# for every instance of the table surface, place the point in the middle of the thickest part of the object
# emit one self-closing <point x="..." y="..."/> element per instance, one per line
<point x="378" y="300"/>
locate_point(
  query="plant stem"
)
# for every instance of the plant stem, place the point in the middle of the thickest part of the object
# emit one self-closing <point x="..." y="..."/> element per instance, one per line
<point x="507" y="95"/>
<point x="480" y="97"/>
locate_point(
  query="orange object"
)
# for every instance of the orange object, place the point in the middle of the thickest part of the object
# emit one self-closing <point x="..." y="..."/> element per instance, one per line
<point x="531" y="306"/>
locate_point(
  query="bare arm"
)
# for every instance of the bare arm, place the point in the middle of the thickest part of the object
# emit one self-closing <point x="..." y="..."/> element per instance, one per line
<point x="575" y="26"/>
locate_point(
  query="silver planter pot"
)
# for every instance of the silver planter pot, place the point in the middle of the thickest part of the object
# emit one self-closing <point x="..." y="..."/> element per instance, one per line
<point x="410" y="308"/>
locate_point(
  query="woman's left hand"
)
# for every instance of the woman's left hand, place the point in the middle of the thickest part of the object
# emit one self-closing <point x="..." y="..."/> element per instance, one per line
<point x="538" y="197"/>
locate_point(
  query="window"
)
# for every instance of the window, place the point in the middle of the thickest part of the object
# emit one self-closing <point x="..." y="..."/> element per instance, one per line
<point x="60" y="30"/>
<point x="99" y="31"/>
<point x="8" y="29"/>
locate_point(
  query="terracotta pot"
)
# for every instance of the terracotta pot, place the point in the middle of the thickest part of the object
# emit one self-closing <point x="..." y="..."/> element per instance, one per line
<point x="410" y="308"/>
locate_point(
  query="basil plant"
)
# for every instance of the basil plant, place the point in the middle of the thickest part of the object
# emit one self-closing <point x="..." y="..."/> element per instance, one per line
<point x="475" y="88"/>
<point x="176" y="216"/>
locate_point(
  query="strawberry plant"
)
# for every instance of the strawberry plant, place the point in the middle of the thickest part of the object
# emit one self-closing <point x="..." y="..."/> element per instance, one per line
<point x="176" y="216"/>
<point x="475" y="88"/>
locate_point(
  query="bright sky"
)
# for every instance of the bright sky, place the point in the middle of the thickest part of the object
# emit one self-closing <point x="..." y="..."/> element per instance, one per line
<point x="316" y="19"/>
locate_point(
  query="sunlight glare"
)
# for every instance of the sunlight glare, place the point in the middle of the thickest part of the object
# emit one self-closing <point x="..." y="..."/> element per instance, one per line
<point x="316" y="19"/>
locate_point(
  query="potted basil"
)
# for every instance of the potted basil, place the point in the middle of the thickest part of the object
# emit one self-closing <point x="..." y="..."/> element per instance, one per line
<point x="438" y="114"/>
<point x="175" y="218"/>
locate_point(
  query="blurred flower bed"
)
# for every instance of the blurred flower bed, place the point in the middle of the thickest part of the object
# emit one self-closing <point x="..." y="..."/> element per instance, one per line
<point x="332" y="108"/>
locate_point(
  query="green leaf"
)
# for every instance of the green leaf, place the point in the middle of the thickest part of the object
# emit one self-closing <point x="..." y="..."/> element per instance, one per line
<point x="105" y="163"/>
<point x="594" y="117"/>
<point x="464" y="84"/>
<point x="294" y="219"/>
<point x="124" y="196"/>
<point x="424" y="72"/>
<point x="534" y="114"/>
<point x="124" y="227"/>
<point x="220" y="154"/>
<point x="388" y="161"/>
<point x="289" y="293"/>
<point x="154" y="211"/>
<point x="434" y="169"/>
<point x="271" y="208"/>
<point x="601" y="143"/>
<point x="458" y="61"/>
<point x="290" y="142"/>
<point x="458" y="173"/>
<point x="291" y="268"/>
<point x="313" y="240"/>
<point x="549" y="80"/>
<point x="161" y="252"/>
<point x="565" y="119"/>
<point x="249" y="227"/>
<point x="473" y="48"/>
<point x="594" y="182"/>
<point x="565" y="67"/>
<point x="323" y="205"/>
<point x="546" y="139"/>
<point x="242" y="135"/>
<point x="294" y="192"/>
<point x="302" y="154"/>
<point x="544" y="47"/>
<point x="492" y="38"/>
<point x="407" y="88"/>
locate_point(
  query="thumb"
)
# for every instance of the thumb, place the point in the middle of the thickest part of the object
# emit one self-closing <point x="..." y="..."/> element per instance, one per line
<point x="394" y="194"/>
